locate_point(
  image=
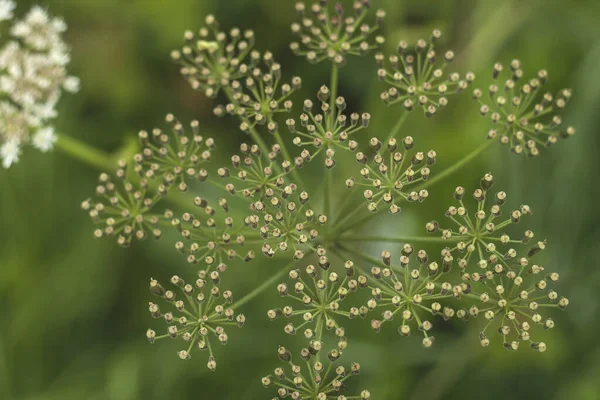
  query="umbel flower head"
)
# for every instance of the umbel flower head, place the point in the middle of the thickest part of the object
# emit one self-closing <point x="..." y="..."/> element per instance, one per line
<point x="475" y="231"/>
<point x="211" y="236"/>
<point x="174" y="158"/>
<point x="198" y="315"/>
<point x="258" y="95"/>
<point x="212" y="59"/>
<point x="33" y="75"/>
<point x="285" y="221"/>
<point x="334" y="35"/>
<point x="389" y="174"/>
<point x="409" y="292"/>
<point x="512" y="290"/>
<point x="256" y="171"/>
<point x="328" y="130"/>
<point x="124" y="209"/>
<point x="418" y="76"/>
<point x="314" y="378"/>
<point x="525" y="114"/>
<point x="513" y="296"/>
<point x="316" y="293"/>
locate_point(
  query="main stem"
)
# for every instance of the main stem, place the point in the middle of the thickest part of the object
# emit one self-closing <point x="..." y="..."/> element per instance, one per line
<point x="253" y="132"/>
<point x="333" y="92"/>
<point x="327" y="193"/>
<point x="259" y="141"/>
<point x="266" y="284"/>
<point x="449" y="171"/>
<point x="288" y="157"/>
<point x="332" y="108"/>
<point x="396" y="239"/>
<point x="398" y="125"/>
<point x="105" y="162"/>
<point x="85" y="153"/>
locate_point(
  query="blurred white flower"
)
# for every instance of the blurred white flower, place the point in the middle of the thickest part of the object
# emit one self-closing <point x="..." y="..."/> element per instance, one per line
<point x="39" y="31"/>
<point x="33" y="76"/>
<point x="10" y="152"/>
<point x="6" y="9"/>
<point x="44" y="139"/>
<point x="72" y="84"/>
<point x="14" y="123"/>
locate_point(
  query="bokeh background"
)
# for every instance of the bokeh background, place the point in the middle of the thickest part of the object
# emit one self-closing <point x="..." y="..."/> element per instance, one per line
<point x="73" y="310"/>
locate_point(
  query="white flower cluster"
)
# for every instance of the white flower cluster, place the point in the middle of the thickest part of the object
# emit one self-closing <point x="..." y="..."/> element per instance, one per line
<point x="33" y="75"/>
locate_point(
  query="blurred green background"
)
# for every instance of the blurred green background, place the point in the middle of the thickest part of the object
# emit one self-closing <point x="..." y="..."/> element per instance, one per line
<point x="74" y="310"/>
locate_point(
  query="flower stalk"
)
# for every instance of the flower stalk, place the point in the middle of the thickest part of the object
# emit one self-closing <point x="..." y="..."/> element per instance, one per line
<point x="85" y="153"/>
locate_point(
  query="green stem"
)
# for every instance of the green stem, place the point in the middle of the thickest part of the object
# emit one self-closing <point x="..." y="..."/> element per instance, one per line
<point x="396" y="239"/>
<point x="333" y="93"/>
<point x="259" y="141"/>
<point x="319" y="333"/>
<point x="253" y="132"/>
<point x="289" y="158"/>
<point x="449" y="171"/>
<point x="105" y="162"/>
<point x="269" y="282"/>
<point x="398" y="125"/>
<point x="85" y="153"/>
<point x="327" y="193"/>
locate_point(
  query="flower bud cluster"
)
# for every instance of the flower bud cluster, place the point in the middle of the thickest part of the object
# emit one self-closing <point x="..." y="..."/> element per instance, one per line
<point x="335" y="34"/>
<point x="259" y="95"/>
<point x="173" y="159"/>
<point x="484" y="229"/>
<point x="418" y="77"/>
<point x="524" y="114"/>
<point x="256" y="171"/>
<point x="514" y="296"/>
<point x="196" y="312"/>
<point x="212" y="59"/>
<point x="493" y="265"/>
<point x="285" y="221"/>
<point x="327" y="129"/>
<point x="124" y="210"/>
<point x="387" y="178"/>
<point x="312" y="375"/>
<point x="410" y="292"/>
<point x="497" y="269"/>
<point x="125" y="205"/>
<point x="211" y="236"/>
<point x="315" y="294"/>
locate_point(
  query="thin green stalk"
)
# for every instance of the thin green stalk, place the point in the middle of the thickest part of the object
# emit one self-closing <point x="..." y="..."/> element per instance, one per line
<point x="105" y="162"/>
<point x="449" y="171"/>
<point x="266" y="284"/>
<point x="396" y="239"/>
<point x="398" y="125"/>
<point x="85" y="153"/>
<point x="259" y="141"/>
<point x="333" y="94"/>
<point x="288" y="157"/>
<point x="253" y="132"/>
<point x="339" y="226"/>
<point x="319" y="333"/>
<point x="327" y="193"/>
